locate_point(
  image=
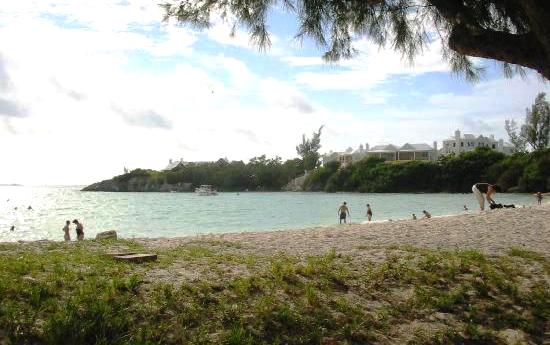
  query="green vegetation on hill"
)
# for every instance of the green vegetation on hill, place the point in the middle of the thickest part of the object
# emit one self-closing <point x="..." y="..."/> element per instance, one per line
<point x="260" y="173"/>
<point x="525" y="172"/>
<point x="213" y="292"/>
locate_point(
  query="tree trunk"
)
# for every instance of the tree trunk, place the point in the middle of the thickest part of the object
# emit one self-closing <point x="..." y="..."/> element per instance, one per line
<point x="531" y="49"/>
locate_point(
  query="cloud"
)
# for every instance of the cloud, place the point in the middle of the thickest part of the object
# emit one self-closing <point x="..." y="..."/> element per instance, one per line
<point x="5" y="83"/>
<point x="477" y="125"/>
<point x="143" y="118"/>
<point x="372" y="66"/>
<point x="250" y="135"/>
<point x="77" y="96"/>
<point x="10" y="108"/>
<point x="279" y="93"/>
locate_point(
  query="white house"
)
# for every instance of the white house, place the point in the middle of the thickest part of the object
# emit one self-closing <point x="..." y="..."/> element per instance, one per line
<point x="468" y="142"/>
<point x="172" y="164"/>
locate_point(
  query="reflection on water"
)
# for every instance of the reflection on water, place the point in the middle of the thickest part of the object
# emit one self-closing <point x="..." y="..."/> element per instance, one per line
<point x="180" y="214"/>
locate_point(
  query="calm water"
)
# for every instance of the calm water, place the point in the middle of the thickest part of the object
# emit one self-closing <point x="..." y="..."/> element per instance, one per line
<point x="180" y="214"/>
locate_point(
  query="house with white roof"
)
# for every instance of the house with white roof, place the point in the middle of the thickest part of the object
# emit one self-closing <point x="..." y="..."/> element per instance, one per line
<point x="468" y="142"/>
<point x="407" y="152"/>
<point x="390" y="152"/>
<point x="173" y="164"/>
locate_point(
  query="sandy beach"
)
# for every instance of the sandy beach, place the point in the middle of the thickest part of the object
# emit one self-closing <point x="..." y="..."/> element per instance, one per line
<point x="491" y="232"/>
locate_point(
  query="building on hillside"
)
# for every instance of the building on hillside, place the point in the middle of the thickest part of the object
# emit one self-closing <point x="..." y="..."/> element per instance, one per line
<point x="345" y="159"/>
<point x="407" y="152"/>
<point x="173" y="164"/>
<point x="468" y="142"/>
<point x="389" y="152"/>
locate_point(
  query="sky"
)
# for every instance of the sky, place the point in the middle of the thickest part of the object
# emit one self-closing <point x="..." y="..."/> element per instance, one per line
<point x="90" y="87"/>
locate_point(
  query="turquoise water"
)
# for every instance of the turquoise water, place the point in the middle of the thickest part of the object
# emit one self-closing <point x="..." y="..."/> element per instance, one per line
<point x="180" y="214"/>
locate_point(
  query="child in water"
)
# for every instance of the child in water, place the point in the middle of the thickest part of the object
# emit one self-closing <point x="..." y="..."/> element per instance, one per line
<point x="67" y="235"/>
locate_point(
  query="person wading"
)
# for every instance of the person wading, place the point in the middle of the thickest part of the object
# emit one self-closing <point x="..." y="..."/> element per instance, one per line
<point x="369" y="212"/>
<point x="342" y="212"/>
<point x="79" y="230"/>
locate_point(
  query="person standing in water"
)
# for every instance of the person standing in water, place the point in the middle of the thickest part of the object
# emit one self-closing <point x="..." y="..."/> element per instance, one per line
<point x="79" y="230"/>
<point x="369" y="212"/>
<point x="342" y="212"/>
<point x="484" y="188"/>
<point x="67" y="235"/>
<point x="414" y="216"/>
<point x="539" y="196"/>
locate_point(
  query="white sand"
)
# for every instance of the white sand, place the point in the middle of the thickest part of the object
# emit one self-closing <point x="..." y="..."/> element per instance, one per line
<point x="492" y="232"/>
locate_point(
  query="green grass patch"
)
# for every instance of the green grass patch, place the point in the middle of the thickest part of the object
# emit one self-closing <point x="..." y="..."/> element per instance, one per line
<point x="73" y="293"/>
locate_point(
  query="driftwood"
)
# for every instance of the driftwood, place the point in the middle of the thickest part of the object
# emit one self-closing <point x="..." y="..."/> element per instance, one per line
<point x="136" y="257"/>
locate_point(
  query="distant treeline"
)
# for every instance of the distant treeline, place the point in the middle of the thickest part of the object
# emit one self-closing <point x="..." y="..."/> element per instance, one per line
<point x="259" y="174"/>
<point x="521" y="172"/>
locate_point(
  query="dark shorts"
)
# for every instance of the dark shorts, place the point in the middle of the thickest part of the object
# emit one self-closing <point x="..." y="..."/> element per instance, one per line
<point x="343" y="215"/>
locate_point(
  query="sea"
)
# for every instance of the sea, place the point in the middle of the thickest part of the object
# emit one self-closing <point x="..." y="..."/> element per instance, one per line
<point x="183" y="214"/>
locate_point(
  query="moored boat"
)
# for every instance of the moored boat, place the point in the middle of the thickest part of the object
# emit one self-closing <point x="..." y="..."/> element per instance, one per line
<point x="206" y="189"/>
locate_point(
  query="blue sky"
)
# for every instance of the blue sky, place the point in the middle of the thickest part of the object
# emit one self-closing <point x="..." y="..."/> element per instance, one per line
<point x="87" y="88"/>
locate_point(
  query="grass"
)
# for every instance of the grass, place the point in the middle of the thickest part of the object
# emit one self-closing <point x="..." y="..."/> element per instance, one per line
<point x="59" y="293"/>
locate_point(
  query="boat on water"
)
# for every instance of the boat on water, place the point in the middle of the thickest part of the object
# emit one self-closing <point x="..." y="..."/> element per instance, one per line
<point x="206" y="189"/>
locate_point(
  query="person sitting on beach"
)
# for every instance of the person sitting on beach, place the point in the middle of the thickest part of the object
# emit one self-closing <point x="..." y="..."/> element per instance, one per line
<point x="66" y="229"/>
<point x="369" y="212"/>
<point x="79" y="230"/>
<point x="342" y="212"/>
<point x="414" y="216"/>
<point x="427" y="214"/>
<point x="484" y="188"/>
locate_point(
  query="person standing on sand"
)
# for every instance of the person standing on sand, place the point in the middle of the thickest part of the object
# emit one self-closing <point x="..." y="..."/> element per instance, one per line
<point x="79" y="230"/>
<point x="342" y="212"/>
<point x="484" y="188"/>
<point x="369" y="212"/>
<point x="427" y="214"/>
<point x="66" y="229"/>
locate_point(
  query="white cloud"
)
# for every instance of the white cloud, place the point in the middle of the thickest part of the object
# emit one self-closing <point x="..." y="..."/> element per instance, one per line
<point x="369" y="69"/>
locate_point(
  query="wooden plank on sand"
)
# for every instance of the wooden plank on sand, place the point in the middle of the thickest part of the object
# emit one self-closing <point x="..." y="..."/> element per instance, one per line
<point x="120" y="254"/>
<point x="136" y="257"/>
